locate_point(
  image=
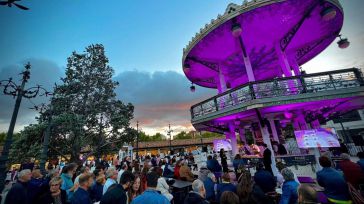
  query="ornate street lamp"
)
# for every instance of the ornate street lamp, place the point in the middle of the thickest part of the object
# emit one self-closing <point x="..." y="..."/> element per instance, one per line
<point x="236" y="29"/>
<point x="343" y="42"/>
<point x="18" y="91"/>
<point x="328" y="13"/>
<point x="192" y="88"/>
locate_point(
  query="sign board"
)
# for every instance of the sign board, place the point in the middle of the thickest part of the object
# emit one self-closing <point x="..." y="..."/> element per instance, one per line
<point x="321" y="137"/>
<point x="222" y="144"/>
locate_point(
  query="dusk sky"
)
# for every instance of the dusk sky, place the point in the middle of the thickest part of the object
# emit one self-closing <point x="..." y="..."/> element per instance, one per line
<point x="143" y="41"/>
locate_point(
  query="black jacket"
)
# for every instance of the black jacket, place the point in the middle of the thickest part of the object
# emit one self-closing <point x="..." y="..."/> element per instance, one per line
<point x="46" y="198"/>
<point x="116" y="195"/>
<point x="18" y="194"/>
<point x="194" y="198"/>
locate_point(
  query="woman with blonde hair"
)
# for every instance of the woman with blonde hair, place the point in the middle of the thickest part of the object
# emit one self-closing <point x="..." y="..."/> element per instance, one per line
<point x="53" y="195"/>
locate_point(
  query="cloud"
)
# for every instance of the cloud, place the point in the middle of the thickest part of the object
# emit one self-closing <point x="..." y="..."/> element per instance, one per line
<point x="160" y="98"/>
<point x="44" y="73"/>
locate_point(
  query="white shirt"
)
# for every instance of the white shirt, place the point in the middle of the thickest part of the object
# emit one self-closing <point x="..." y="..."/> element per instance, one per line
<point x="107" y="184"/>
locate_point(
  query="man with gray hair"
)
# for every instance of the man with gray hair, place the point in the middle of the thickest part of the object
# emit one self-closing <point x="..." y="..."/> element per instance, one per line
<point x="197" y="195"/>
<point x="289" y="188"/>
<point x="111" y="175"/>
<point x="18" y="192"/>
<point x="352" y="171"/>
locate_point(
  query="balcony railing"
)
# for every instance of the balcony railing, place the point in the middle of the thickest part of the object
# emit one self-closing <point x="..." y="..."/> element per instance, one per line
<point x="288" y="86"/>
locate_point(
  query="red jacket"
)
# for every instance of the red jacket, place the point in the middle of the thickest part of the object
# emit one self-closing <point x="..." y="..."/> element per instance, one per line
<point x="352" y="172"/>
<point x="176" y="172"/>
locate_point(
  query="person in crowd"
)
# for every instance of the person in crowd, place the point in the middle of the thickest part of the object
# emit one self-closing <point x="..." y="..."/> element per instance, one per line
<point x="264" y="179"/>
<point x="19" y="191"/>
<point x="176" y="170"/>
<point x="36" y="185"/>
<point x="162" y="185"/>
<point x="144" y="173"/>
<point x="116" y="162"/>
<point x="168" y="171"/>
<point x="282" y="149"/>
<point x="245" y="149"/>
<point x="238" y="164"/>
<point x="154" y="161"/>
<point x="185" y="172"/>
<point x="197" y="195"/>
<point x="267" y="158"/>
<point x="343" y="147"/>
<point x="289" y="188"/>
<point x="213" y="165"/>
<point x="111" y="175"/>
<point x="151" y="195"/>
<point x="67" y="184"/>
<point x="124" y="167"/>
<point x="254" y="149"/>
<point x="229" y="197"/>
<point x="135" y="189"/>
<point x="28" y="164"/>
<point x="352" y="171"/>
<point x="226" y="185"/>
<point x="98" y="187"/>
<point x="307" y="195"/>
<point x="208" y="182"/>
<point x="53" y="194"/>
<point x="249" y="192"/>
<point x="223" y="158"/>
<point x="83" y="170"/>
<point x="280" y="180"/>
<point x="361" y="160"/>
<point x="136" y="166"/>
<point x="117" y="194"/>
<point x="81" y="196"/>
<point x="333" y="181"/>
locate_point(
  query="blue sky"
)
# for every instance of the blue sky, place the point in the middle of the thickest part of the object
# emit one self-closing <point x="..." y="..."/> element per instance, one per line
<point x="144" y="42"/>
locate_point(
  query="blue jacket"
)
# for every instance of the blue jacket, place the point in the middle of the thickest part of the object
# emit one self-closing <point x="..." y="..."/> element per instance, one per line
<point x="67" y="183"/>
<point x="237" y="162"/>
<point x="96" y="192"/>
<point x="213" y="165"/>
<point x="334" y="183"/>
<point x="222" y="187"/>
<point x="289" y="192"/>
<point x="81" y="197"/>
<point x="150" y="197"/>
<point x="209" y="187"/>
<point x="361" y="163"/>
<point x="265" y="180"/>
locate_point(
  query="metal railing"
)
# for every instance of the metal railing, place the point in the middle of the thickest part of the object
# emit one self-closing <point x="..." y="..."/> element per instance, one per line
<point x="296" y="85"/>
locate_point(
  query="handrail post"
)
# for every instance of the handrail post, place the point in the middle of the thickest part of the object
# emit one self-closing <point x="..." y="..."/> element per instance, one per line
<point x="332" y="81"/>
<point x="192" y="114"/>
<point x="359" y="76"/>
<point x="216" y="106"/>
<point x="252" y="92"/>
<point x="303" y="84"/>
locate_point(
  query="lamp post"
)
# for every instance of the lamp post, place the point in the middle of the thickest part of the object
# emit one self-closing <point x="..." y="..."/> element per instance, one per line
<point x="137" y="145"/>
<point x="170" y="138"/>
<point x="11" y="88"/>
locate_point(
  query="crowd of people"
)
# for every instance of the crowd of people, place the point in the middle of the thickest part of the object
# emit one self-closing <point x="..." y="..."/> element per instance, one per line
<point x="149" y="180"/>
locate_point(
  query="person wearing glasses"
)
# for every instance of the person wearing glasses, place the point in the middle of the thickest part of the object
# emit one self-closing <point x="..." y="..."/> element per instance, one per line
<point x="54" y="194"/>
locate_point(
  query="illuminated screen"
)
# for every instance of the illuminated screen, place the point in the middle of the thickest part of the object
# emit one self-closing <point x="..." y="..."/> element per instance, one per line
<point x="322" y="137"/>
<point x="222" y="144"/>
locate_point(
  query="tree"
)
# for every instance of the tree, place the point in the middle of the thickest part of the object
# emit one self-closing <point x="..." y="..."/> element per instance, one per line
<point x="84" y="110"/>
<point x="183" y="135"/>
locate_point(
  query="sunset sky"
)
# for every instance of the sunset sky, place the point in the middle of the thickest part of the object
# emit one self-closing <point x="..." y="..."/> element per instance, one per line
<point x="143" y="41"/>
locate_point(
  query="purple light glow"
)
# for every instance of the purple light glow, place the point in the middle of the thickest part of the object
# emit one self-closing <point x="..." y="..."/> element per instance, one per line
<point x="261" y="28"/>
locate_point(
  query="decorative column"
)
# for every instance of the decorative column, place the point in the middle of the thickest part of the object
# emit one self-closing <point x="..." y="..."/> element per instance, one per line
<point x="221" y="86"/>
<point x="233" y="139"/>
<point x="296" y="124"/>
<point x="247" y="63"/>
<point x="286" y="69"/>
<point x="315" y="124"/>
<point x="242" y="135"/>
<point x="266" y="140"/>
<point x="274" y="129"/>
<point x="295" y="66"/>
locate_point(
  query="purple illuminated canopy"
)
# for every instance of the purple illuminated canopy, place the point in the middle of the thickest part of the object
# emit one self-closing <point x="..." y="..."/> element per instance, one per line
<point x="301" y="28"/>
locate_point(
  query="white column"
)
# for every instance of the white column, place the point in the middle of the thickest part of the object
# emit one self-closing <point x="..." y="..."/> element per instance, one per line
<point x="283" y="61"/>
<point x="295" y="66"/>
<point x="302" y="121"/>
<point x="274" y="129"/>
<point x="221" y="86"/>
<point x="233" y="139"/>
<point x="315" y="124"/>
<point x="266" y="140"/>
<point x="242" y="135"/>
<point x="247" y="63"/>
<point x="296" y="125"/>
